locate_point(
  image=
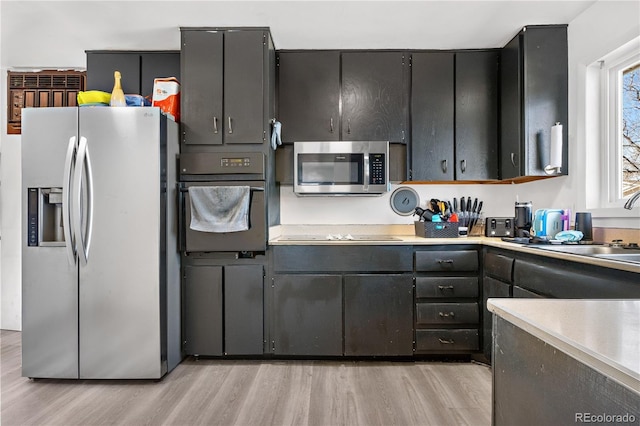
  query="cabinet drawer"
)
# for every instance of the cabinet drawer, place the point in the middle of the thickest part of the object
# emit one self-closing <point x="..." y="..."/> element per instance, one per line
<point x="446" y="287"/>
<point x="445" y="260"/>
<point x="447" y="340"/>
<point x="499" y="266"/>
<point x="447" y="313"/>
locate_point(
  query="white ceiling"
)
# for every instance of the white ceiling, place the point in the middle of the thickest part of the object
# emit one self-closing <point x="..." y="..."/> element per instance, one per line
<point x="49" y="26"/>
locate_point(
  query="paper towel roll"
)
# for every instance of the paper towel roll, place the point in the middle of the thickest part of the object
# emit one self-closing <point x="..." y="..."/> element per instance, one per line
<point x="555" y="154"/>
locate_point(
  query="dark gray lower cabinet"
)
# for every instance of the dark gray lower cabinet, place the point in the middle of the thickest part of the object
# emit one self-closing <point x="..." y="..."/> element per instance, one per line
<point x="223" y="310"/>
<point x="491" y="287"/>
<point x="203" y="310"/>
<point x="531" y="378"/>
<point x="307" y="315"/>
<point x="243" y="310"/>
<point x="522" y="293"/>
<point x="378" y="314"/>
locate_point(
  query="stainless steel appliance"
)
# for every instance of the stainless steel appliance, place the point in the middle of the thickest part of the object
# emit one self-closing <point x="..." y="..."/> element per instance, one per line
<point x="341" y="168"/>
<point x="224" y="169"/>
<point x="100" y="260"/>
<point x="523" y="219"/>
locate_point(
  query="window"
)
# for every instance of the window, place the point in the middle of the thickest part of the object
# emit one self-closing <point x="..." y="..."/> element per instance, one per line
<point x="620" y="73"/>
<point x="630" y="130"/>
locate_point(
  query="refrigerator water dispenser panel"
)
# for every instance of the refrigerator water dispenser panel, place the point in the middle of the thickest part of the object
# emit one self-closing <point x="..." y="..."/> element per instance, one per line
<point x="44" y="217"/>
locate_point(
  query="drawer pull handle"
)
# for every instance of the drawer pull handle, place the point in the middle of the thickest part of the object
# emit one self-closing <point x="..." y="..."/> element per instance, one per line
<point x="445" y="261"/>
<point x="445" y="287"/>
<point x="446" y="341"/>
<point x="447" y="314"/>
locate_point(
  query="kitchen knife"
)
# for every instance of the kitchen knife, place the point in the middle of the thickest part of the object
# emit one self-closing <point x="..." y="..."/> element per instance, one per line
<point x="470" y="210"/>
<point x="476" y="215"/>
<point x="475" y="205"/>
<point x="455" y="205"/>
<point x="463" y="211"/>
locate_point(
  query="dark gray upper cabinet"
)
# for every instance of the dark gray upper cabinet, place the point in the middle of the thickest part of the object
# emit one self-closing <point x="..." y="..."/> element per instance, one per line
<point x="138" y="69"/>
<point x="374" y="96"/>
<point x="309" y="95"/>
<point x="432" y="109"/>
<point x="224" y="86"/>
<point x="534" y="96"/>
<point x="476" y="112"/>
<point x="454" y="115"/>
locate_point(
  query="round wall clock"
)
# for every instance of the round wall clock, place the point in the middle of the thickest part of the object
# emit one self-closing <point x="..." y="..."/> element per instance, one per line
<point x="404" y="201"/>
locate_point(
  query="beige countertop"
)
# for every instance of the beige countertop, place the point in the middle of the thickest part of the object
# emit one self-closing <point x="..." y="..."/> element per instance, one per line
<point x="602" y="334"/>
<point x="405" y="235"/>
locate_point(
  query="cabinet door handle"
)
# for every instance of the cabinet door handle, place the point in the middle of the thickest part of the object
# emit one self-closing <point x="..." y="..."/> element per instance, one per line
<point x="215" y="124"/>
<point x="446" y="314"/>
<point x="444" y="166"/>
<point x="348" y="126"/>
<point x="513" y="159"/>
<point x="331" y="124"/>
<point x="446" y="341"/>
<point x="445" y="287"/>
<point x="230" y="128"/>
<point x="463" y="165"/>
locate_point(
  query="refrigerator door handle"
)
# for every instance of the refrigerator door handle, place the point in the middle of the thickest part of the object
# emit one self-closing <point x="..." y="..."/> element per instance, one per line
<point x="83" y="164"/>
<point x="67" y="188"/>
<point x="87" y="242"/>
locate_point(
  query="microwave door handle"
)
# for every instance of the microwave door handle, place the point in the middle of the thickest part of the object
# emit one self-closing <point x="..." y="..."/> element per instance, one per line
<point x="366" y="173"/>
<point x="67" y="189"/>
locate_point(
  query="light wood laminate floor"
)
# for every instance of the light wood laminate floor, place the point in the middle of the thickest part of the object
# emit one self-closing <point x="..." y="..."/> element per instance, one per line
<point x="265" y="392"/>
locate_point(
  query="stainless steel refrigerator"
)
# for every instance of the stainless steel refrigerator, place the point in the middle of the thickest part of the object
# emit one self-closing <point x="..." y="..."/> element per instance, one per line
<point x="100" y="261"/>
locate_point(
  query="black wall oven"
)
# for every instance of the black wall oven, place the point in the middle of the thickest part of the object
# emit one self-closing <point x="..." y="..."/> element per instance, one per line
<point x="224" y="170"/>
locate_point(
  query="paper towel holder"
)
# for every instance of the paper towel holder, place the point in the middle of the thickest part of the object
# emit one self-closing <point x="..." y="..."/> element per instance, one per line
<point x="555" y="151"/>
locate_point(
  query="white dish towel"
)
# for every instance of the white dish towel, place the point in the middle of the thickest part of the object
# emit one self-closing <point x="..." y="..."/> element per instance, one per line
<point x="219" y="208"/>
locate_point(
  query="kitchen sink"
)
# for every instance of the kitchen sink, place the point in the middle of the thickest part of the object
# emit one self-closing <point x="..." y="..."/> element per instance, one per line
<point x="621" y="254"/>
<point x="623" y="257"/>
<point x="339" y="238"/>
<point x="588" y="250"/>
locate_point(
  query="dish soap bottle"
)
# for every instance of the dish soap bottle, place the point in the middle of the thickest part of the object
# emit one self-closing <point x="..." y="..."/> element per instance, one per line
<point x="117" y="95"/>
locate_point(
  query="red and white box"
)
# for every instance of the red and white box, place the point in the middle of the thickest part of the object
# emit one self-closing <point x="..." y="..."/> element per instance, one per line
<point x="166" y="96"/>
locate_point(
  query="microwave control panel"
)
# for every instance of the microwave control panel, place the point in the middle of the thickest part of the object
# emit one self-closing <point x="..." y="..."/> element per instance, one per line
<point x="377" y="169"/>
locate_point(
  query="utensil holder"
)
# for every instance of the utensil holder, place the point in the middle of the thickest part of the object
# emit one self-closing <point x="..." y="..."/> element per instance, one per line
<point x="436" y="229"/>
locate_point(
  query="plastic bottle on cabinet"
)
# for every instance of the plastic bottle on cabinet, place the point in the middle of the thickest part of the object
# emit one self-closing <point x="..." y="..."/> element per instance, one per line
<point x="117" y="95"/>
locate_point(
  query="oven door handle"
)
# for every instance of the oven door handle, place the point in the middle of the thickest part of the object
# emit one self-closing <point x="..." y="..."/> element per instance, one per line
<point x="182" y="243"/>
<point x="252" y="188"/>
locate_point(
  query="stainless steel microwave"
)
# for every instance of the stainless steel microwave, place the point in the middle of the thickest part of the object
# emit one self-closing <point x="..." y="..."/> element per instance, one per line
<point x="341" y="168"/>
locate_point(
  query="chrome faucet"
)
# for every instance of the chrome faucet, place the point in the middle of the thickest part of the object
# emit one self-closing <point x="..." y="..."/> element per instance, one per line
<point x="632" y="201"/>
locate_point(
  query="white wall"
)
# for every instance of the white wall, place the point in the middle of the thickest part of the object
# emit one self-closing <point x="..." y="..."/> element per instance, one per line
<point x="155" y="25"/>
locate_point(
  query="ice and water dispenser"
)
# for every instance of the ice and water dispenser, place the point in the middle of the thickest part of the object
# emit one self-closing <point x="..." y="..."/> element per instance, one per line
<point x="44" y="217"/>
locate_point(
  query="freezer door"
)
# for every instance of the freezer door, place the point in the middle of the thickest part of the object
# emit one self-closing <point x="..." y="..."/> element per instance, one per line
<point x="49" y="280"/>
<point x="120" y="313"/>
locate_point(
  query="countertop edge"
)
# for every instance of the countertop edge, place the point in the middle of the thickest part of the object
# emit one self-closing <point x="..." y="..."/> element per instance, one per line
<point x="604" y="365"/>
<point x="405" y="239"/>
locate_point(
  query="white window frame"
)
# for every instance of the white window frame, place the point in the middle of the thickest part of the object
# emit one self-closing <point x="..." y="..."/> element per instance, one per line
<point x="611" y="82"/>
